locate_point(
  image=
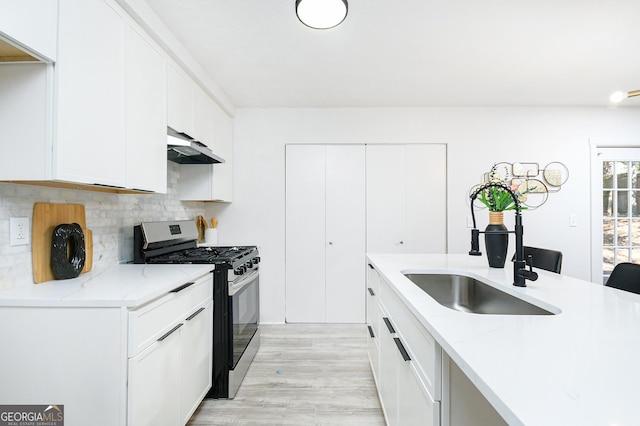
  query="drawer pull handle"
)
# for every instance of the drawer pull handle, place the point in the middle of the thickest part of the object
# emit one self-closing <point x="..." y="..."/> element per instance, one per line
<point x="182" y="287"/>
<point x="371" y="292"/>
<point x="193" y="315"/>
<point x="402" y="350"/>
<point x="371" y="332"/>
<point x="170" y="332"/>
<point x="388" y="324"/>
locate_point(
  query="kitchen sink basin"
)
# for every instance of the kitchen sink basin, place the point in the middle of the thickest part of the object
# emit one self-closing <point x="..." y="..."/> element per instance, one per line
<point x="467" y="294"/>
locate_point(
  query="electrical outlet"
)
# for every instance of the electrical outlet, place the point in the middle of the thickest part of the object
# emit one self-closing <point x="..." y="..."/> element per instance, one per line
<point x="18" y="231"/>
<point x="469" y="221"/>
<point x="573" y="221"/>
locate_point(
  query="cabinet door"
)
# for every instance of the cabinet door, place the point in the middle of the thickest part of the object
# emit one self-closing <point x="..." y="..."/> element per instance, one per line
<point x="32" y="24"/>
<point x="345" y="234"/>
<point x="388" y="375"/>
<point x="195" y="360"/>
<point x="305" y="233"/>
<point x="90" y="83"/>
<point x="415" y="406"/>
<point x="154" y="384"/>
<point x="223" y="146"/>
<point x="373" y="324"/>
<point x="386" y="198"/>
<point x="146" y="161"/>
<point x="180" y="100"/>
<point x="203" y="112"/>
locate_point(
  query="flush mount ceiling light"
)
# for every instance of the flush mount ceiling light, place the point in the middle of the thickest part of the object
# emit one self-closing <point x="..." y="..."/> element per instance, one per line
<point x="321" y="14"/>
<point x="618" y="97"/>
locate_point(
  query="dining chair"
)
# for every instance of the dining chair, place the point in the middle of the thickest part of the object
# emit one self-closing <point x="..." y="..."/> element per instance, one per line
<point x="549" y="260"/>
<point x="625" y="276"/>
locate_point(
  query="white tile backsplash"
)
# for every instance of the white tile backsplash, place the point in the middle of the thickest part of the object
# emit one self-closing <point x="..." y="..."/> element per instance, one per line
<point x="111" y="218"/>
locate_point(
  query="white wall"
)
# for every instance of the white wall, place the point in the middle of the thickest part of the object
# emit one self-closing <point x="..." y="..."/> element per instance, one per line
<point x="476" y="138"/>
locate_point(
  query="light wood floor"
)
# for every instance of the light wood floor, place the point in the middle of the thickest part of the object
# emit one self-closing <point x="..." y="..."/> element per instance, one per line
<point x="302" y="375"/>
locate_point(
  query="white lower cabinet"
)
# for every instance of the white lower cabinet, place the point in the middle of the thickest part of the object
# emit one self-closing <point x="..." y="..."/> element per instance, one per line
<point x="407" y="378"/>
<point x="168" y="380"/>
<point x="195" y="360"/>
<point x="418" y="383"/>
<point x="154" y="384"/>
<point x="170" y="356"/>
<point x="147" y="365"/>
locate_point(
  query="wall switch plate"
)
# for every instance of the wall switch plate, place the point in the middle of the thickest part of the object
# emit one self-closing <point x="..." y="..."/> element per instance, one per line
<point x="469" y="221"/>
<point x="573" y="221"/>
<point x="18" y="231"/>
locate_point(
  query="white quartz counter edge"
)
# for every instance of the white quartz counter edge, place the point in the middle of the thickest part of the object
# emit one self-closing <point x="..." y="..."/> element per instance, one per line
<point x="577" y="367"/>
<point x="125" y="285"/>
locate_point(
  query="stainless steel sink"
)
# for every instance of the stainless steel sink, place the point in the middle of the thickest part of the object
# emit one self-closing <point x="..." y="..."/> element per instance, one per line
<point x="467" y="294"/>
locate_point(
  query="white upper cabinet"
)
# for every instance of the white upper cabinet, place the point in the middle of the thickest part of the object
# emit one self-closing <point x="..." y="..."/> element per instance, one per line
<point x="31" y="26"/>
<point x="95" y="117"/>
<point x="146" y="97"/>
<point x="90" y="93"/>
<point x="180" y="100"/>
<point x="204" y="110"/>
<point x="211" y="182"/>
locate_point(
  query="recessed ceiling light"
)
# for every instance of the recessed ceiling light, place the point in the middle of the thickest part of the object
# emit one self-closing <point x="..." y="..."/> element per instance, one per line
<point x="321" y="14"/>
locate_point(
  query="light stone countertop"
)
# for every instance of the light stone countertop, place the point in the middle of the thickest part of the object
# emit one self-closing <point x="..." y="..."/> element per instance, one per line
<point x="579" y="367"/>
<point x="125" y="285"/>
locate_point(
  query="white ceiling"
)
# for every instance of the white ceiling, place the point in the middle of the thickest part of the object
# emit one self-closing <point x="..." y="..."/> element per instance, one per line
<point x="414" y="52"/>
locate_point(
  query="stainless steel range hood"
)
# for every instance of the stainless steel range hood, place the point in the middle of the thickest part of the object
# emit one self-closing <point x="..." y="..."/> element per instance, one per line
<point x="183" y="149"/>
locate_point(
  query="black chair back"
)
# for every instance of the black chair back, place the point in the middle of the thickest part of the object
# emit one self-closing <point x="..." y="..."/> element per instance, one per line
<point x="625" y="276"/>
<point x="549" y="260"/>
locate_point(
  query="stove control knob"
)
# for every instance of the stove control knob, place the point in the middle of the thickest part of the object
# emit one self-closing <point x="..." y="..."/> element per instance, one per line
<point x="248" y="265"/>
<point x="256" y="260"/>
<point x="239" y="270"/>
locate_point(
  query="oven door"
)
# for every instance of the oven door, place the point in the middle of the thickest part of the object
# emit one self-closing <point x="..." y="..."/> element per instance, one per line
<point x="245" y="312"/>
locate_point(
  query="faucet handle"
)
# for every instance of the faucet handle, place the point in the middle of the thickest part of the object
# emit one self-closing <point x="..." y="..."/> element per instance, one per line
<point x="530" y="262"/>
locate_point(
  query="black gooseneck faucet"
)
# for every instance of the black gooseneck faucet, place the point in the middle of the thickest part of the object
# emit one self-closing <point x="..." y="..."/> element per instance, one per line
<point x="520" y="272"/>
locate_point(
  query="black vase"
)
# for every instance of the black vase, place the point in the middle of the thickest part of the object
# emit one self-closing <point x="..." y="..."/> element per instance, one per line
<point x="496" y="244"/>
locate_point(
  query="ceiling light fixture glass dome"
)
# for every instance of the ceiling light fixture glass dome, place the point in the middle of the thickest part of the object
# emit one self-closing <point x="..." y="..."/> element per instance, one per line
<point x="321" y="14"/>
<point x="618" y="97"/>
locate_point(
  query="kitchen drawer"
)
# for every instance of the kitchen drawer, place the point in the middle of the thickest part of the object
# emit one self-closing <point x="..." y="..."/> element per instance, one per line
<point x="151" y="321"/>
<point x="425" y="352"/>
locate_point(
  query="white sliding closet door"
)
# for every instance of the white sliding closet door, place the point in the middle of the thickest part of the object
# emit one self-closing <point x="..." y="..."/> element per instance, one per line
<point x="305" y="233"/>
<point x="325" y="233"/>
<point x="406" y="198"/>
<point x="345" y="232"/>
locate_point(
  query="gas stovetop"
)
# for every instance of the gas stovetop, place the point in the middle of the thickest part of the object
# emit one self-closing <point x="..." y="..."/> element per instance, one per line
<point x="176" y="242"/>
<point x="213" y="255"/>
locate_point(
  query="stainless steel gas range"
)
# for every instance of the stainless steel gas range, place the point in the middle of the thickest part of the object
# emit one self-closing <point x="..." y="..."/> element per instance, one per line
<point x="236" y="332"/>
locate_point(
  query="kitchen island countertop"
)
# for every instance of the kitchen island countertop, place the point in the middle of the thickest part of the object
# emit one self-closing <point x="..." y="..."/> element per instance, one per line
<point x="578" y="367"/>
<point x="123" y="285"/>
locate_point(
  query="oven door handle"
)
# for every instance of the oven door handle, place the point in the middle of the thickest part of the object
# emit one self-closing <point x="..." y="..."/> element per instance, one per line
<point x="240" y="284"/>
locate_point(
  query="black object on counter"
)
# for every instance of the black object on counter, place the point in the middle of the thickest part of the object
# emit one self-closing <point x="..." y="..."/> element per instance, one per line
<point x="68" y="252"/>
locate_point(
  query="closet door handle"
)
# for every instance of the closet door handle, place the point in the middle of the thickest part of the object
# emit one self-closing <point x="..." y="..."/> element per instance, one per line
<point x="371" y="292"/>
<point x="402" y="350"/>
<point x="371" y="266"/>
<point x="388" y="324"/>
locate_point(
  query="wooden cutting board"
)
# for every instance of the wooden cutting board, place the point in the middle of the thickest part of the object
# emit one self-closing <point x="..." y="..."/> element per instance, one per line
<point x="46" y="216"/>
